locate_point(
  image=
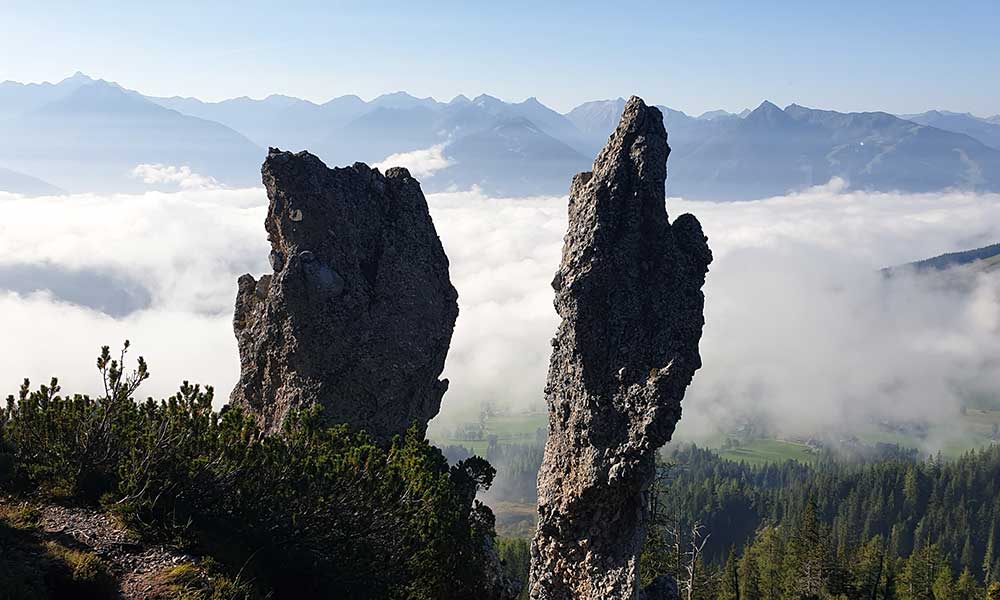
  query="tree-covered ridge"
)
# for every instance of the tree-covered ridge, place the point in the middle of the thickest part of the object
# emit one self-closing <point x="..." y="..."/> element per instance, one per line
<point x="318" y="511"/>
<point x="892" y="528"/>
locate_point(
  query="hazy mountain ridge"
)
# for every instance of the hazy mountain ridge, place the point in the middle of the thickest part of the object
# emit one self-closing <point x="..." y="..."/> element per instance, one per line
<point x="485" y="139"/>
<point x="20" y="183"/>
<point x="17" y="98"/>
<point x="91" y="136"/>
<point x="986" y="131"/>
<point x="87" y="134"/>
<point x="770" y="151"/>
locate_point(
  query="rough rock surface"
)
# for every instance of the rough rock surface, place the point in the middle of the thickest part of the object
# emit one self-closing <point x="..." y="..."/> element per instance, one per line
<point x="359" y="311"/>
<point x="629" y="294"/>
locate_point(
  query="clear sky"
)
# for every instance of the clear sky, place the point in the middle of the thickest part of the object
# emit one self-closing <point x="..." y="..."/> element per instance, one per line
<point x="693" y="56"/>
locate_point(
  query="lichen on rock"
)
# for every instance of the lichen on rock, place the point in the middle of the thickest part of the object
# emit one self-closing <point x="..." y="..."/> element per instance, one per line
<point x="628" y="291"/>
<point x="358" y="313"/>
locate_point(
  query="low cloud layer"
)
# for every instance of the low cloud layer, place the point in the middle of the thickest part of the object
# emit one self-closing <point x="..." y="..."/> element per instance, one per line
<point x="183" y="177"/>
<point x="802" y="329"/>
<point x="805" y="333"/>
<point x="420" y="163"/>
<point x="182" y="249"/>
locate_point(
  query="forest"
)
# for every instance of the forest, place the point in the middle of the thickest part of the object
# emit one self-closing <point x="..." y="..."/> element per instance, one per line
<point x="880" y="525"/>
<point x="891" y="527"/>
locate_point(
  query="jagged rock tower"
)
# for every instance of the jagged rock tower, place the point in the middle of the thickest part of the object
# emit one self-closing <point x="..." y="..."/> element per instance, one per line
<point x="358" y="314"/>
<point x="629" y="294"/>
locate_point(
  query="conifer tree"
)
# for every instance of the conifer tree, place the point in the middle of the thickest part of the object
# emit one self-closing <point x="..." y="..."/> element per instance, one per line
<point x="965" y="586"/>
<point x="920" y="573"/>
<point x="868" y="568"/>
<point x="807" y="565"/>
<point x="994" y="591"/>
<point x="749" y="575"/>
<point x="729" y="586"/>
<point x="988" y="558"/>
<point x="770" y="564"/>
<point x="943" y="586"/>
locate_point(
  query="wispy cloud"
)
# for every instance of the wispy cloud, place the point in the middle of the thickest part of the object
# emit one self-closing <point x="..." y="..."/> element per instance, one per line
<point x="182" y="176"/>
<point x="420" y="163"/>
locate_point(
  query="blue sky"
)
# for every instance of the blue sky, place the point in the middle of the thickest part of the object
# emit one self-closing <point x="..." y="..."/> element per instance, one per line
<point x="693" y="56"/>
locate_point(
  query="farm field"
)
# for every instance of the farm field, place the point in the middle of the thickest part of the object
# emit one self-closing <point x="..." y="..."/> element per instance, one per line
<point x="515" y="428"/>
<point x="764" y="451"/>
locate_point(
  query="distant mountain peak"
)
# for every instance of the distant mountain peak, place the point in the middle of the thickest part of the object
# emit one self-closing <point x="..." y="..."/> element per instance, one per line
<point x="346" y="99"/>
<point x="400" y="95"/>
<point x="402" y="99"/>
<point x="768" y="112"/>
<point x="768" y="107"/>
<point x="486" y="100"/>
<point x="714" y="114"/>
<point x="100" y="97"/>
<point x="460" y="99"/>
<point x="284" y="100"/>
<point x="79" y="76"/>
<point x="672" y="113"/>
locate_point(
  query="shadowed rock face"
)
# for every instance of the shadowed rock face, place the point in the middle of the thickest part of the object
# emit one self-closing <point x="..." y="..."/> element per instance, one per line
<point x="629" y="294"/>
<point x="358" y="314"/>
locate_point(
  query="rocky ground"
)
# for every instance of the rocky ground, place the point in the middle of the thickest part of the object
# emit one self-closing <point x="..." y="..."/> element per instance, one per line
<point x="138" y="570"/>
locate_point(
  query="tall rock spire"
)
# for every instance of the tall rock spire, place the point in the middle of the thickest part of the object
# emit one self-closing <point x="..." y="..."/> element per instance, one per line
<point x="358" y="313"/>
<point x="629" y="293"/>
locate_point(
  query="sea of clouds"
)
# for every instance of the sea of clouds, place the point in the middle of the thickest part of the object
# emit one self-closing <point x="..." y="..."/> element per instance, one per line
<point x="802" y="329"/>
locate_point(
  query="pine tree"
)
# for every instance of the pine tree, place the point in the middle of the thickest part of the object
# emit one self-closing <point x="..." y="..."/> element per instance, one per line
<point x="770" y="564"/>
<point x="729" y="586"/>
<point x="749" y="575"/>
<point x="988" y="558"/>
<point x="966" y="556"/>
<point x="943" y="587"/>
<point x="965" y="586"/>
<point x="867" y="571"/>
<point x="806" y="569"/>
<point x="911" y="489"/>
<point x="917" y="580"/>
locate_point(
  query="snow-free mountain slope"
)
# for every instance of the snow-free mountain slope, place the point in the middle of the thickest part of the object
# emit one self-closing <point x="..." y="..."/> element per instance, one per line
<point x="92" y="138"/>
<point x="983" y="130"/>
<point x="19" y="183"/>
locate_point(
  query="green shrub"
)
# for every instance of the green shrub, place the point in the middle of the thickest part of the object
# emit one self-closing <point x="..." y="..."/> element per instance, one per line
<point x="318" y="510"/>
<point x="20" y="516"/>
<point x="72" y="446"/>
<point x="516" y="556"/>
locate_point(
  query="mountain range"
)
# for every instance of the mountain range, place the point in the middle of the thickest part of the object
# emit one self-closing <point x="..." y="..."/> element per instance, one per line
<point x="19" y="183"/>
<point x="86" y="135"/>
<point x="83" y="134"/>
<point x="986" y="131"/>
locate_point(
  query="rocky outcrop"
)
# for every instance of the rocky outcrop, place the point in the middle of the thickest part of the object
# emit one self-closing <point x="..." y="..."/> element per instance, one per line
<point x="629" y="294"/>
<point x="358" y="313"/>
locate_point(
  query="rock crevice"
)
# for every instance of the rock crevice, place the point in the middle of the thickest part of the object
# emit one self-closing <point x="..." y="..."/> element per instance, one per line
<point x="629" y="293"/>
<point x="358" y="313"/>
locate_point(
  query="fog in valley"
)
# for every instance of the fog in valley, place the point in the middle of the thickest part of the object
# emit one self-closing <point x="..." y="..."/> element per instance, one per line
<point x="804" y="333"/>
